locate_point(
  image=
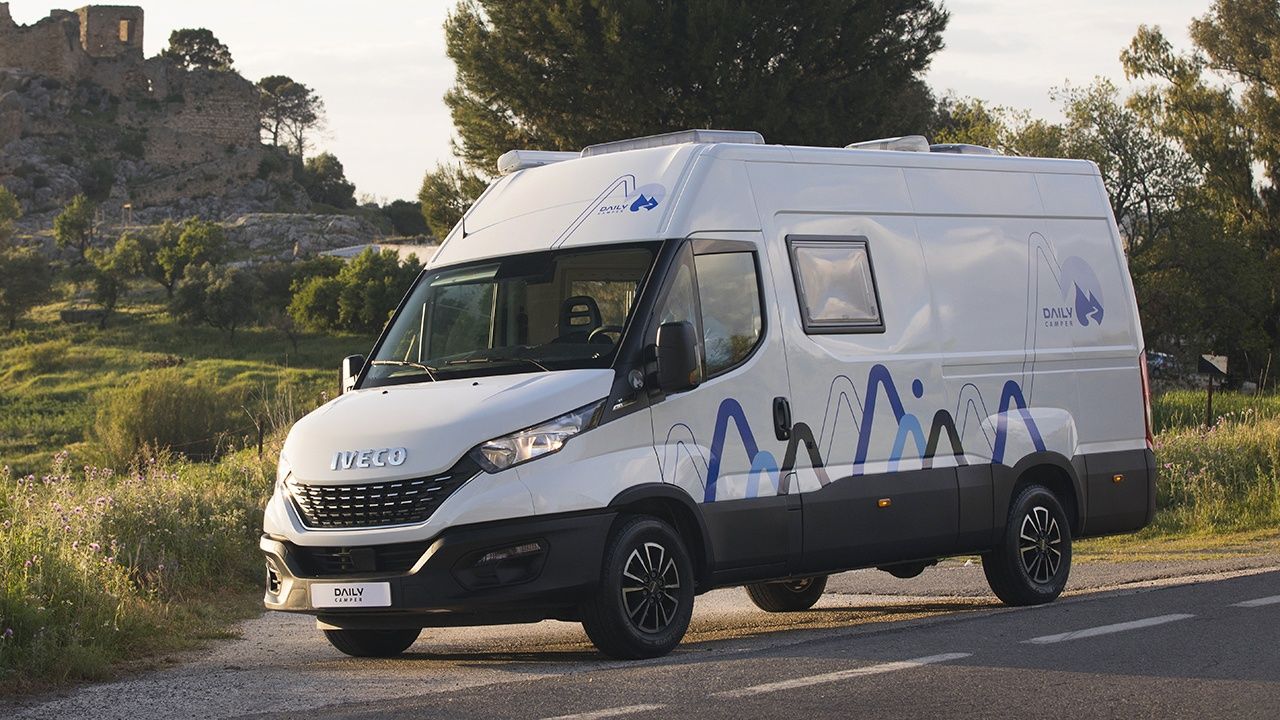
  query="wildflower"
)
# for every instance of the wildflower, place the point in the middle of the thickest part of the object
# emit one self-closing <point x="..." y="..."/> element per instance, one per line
<point x="160" y="567"/>
<point x="95" y="546"/>
<point x="27" y="564"/>
<point x="8" y="633"/>
<point x="75" y="545"/>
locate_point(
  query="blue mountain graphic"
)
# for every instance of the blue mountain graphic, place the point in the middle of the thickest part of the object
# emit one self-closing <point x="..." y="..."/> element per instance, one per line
<point x="1087" y="306"/>
<point x="643" y="202"/>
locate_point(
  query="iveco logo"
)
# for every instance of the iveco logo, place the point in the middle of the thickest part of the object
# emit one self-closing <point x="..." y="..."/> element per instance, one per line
<point x="379" y="457"/>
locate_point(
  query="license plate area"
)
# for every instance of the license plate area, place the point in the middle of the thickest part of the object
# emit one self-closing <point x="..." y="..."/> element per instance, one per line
<point x="351" y="595"/>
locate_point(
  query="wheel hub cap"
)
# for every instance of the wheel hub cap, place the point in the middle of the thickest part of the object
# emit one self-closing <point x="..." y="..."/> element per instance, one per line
<point x="1039" y="539"/>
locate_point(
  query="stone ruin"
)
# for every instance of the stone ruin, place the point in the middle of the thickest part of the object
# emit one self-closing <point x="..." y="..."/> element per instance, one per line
<point x="68" y="44"/>
<point x="81" y="106"/>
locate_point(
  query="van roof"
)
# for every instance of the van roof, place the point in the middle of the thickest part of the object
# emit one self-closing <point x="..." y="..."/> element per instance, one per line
<point x="569" y="200"/>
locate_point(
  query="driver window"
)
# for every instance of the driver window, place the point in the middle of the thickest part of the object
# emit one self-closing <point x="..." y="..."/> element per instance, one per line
<point x="729" y="296"/>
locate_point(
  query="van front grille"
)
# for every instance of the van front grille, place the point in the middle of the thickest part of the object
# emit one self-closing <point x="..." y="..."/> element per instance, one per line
<point x="399" y="502"/>
<point x="320" y="561"/>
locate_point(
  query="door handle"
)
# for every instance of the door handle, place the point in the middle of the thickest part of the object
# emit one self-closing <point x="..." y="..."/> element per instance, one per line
<point x="781" y="418"/>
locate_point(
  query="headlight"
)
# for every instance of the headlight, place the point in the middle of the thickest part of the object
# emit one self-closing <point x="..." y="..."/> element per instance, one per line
<point x="283" y="471"/>
<point x="543" y="439"/>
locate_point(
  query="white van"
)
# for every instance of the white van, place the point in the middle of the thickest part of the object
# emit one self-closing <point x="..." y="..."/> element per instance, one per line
<point x="670" y="364"/>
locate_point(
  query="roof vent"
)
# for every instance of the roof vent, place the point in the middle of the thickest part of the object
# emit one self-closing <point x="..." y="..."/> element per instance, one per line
<point x="749" y="137"/>
<point x="513" y="160"/>
<point x="963" y="149"/>
<point x="906" y="143"/>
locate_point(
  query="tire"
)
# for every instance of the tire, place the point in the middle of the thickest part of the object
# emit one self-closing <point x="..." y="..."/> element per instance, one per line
<point x="788" y="595"/>
<point x="372" y="643"/>
<point x="643" y="602"/>
<point x="1031" y="564"/>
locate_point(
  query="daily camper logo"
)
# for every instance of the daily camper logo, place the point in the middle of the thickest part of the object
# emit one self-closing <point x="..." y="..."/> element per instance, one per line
<point x="1081" y="296"/>
<point x="640" y="200"/>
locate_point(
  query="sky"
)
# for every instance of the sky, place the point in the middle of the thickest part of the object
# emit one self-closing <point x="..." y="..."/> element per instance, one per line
<point x="382" y="71"/>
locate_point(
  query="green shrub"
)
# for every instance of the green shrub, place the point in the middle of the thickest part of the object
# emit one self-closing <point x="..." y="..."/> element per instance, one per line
<point x="97" y="567"/>
<point x="1224" y="479"/>
<point x="165" y="408"/>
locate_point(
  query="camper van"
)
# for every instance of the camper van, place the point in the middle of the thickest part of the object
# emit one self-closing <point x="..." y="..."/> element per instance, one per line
<point x="664" y="365"/>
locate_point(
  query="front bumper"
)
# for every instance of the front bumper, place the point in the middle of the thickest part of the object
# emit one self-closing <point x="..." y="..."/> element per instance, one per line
<point x="445" y="586"/>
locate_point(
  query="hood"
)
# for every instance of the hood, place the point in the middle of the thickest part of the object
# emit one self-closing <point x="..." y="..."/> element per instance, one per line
<point x="434" y="422"/>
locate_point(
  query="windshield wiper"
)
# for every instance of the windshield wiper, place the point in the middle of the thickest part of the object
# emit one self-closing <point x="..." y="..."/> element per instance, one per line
<point x="430" y="371"/>
<point x="501" y="358"/>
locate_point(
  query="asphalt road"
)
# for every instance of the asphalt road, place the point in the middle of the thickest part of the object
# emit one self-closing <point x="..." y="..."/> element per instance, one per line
<point x="1128" y="642"/>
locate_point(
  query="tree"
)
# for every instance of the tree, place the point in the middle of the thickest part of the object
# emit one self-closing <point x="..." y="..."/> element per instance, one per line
<point x="222" y="296"/>
<point x="10" y="210"/>
<point x="1219" y="103"/>
<point x="112" y="270"/>
<point x="325" y="181"/>
<point x="1008" y="131"/>
<point x="74" y="226"/>
<point x="557" y="76"/>
<point x="406" y="217"/>
<point x="197" y="49"/>
<point x="26" y="280"/>
<point x="360" y="298"/>
<point x="198" y="242"/>
<point x="1147" y="175"/>
<point x="289" y="111"/>
<point x="446" y="192"/>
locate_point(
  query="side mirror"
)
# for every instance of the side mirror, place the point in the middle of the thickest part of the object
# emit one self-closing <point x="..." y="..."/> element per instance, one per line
<point x="678" y="367"/>
<point x="348" y="371"/>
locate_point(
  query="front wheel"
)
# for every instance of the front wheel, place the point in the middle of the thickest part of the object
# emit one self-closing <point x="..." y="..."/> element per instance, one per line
<point x="642" y="605"/>
<point x="372" y="643"/>
<point x="788" y="595"/>
<point x="1031" y="564"/>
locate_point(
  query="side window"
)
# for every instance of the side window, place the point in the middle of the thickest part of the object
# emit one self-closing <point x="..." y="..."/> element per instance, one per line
<point x="729" y="294"/>
<point x="836" y="284"/>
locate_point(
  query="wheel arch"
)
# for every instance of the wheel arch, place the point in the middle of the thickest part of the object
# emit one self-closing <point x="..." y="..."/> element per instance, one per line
<point x="676" y="507"/>
<point x="1057" y="473"/>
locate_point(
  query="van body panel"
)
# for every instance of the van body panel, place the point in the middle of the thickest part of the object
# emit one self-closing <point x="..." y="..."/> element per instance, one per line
<point x="594" y="468"/>
<point x="460" y="413"/>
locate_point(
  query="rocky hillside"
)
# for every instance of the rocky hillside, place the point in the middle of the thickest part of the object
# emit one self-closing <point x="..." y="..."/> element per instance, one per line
<point x="148" y="153"/>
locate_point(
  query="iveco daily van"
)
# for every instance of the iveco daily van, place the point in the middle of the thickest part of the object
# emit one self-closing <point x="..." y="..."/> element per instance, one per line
<point x="670" y="364"/>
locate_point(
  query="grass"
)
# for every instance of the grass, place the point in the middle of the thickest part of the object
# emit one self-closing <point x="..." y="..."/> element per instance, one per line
<point x="51" y="372"/>
<point x="101" y="566"/>
<point x="1222" y="480"/>
<point x="1186" y="408"/>
<point x="1155" y="545"/>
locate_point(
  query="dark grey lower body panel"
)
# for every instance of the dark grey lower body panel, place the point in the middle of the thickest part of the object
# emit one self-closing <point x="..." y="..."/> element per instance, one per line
<point x="931" y="513"/>
<point x="1121" y="489"/>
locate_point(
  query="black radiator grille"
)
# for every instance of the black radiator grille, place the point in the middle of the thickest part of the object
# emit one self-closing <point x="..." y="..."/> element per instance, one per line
<point x="399" y="502"/>
<point x="398" y="558"/>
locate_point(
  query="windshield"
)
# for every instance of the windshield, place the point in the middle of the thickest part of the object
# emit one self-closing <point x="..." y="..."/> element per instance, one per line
<point x="536" y="312"/>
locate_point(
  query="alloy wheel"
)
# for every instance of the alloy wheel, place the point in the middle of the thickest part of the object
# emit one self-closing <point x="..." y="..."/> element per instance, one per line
<point x="1038" y="542"/>
<point x="650" y="585"/>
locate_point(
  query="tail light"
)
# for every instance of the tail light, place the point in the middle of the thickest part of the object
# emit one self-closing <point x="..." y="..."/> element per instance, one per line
<point x="1146" y="398"/>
